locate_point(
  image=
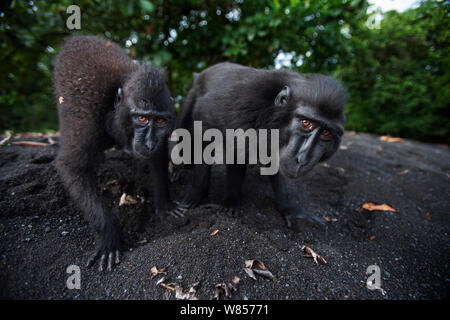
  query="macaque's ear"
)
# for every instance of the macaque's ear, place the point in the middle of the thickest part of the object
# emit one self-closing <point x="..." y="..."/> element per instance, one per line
<point x="283" y="97"/>
<point x="119" y="97"/>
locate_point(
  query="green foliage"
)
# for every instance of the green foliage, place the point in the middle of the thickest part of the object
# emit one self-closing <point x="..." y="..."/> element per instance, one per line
<point x="398" y="79"/>
<point x="397" y="75"/>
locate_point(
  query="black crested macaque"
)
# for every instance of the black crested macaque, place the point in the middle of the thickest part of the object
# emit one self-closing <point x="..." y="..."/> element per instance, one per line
<point x="105" y="99"/>
<point x="308" y="110"/>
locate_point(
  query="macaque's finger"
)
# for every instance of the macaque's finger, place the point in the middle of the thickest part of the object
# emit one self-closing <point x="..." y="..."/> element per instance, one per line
<point x="101" y="265"/>
<point x="179" y="212"/>
<point x="110" y="261"/>
<point x="92" y="259"/>
<point x="311" y="218"/>
<point x="117" y="257"/>
<point x="176" y="213"/>
<point x="287" y="220"/>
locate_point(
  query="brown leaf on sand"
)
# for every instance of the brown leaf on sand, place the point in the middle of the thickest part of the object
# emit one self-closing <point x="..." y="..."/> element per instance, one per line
<point x="167" y="286"/>
<point x="369" y="206"/>
<point x="265" y="273"/>
<point x="127" y="200"/>
<point x="30" y="143"/>
<point x="155" y="271"/>
<point x="309" y="253"/>
<point x="225" y="289"/>
<point x="8" y="136"/>
<point x="251" y="263"/>
<point x="250" y="273"/>
<point x="161" y="283"/>
<point x="214" y="232"/>
<point x="390" y="139"/>
<point x="143" y="241"/>
<point x="108" y="43"/>
<point x="256" y="266"/>
<point x="190" y="295"/>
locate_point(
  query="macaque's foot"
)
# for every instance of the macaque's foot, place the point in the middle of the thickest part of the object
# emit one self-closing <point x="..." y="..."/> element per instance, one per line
<point x="189" y="202"/>
<point x="107" y="252"/>
<point x="172" y="208"/>
<point x="227" y="208"/>
<point x="293" y="216"/>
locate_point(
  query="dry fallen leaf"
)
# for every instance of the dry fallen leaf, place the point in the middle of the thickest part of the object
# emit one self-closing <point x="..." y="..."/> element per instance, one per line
<point x="309" y="253"/>
<point x="225" y="289"/>
<point x="61" y="100"/>
<point x="369" y="206"/>
<point x="127" y="200"/>
<point x="143" y="241"/>
<point x="214" y="232"/>
<point x="161" y="283"/>
<point x="250" y="273"/>
<point x="256" y="266"/>
<point x="390" y="139"/>
<point x="51" y="141"/>
<point x="372" y="238"/>
<point x="190" y="295"/>
<point x="251" y="263"/>
<point x="30" y="143"/>
<point x="235" y="281"/>
<point x="108" y="43"/>
<point x="6" y="139"/>
<point x="265" y="273"/>
<point x="155" y="271"/>
<point x="167" y="286"/>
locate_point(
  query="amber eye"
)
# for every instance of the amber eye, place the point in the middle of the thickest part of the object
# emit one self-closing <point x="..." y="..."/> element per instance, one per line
<point x="160" y="120"/>
<point x="326" y="132"/>
<point x="306" y="123"/>
<point x="142" y="119"/>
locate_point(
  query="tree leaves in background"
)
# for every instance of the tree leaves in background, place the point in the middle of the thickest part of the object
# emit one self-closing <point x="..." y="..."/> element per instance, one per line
<point x="397" y="76"/>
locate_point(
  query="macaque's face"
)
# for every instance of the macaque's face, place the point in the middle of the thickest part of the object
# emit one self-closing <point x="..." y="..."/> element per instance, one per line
<point x="309" y="139"/>
<point x="149" y="123"/>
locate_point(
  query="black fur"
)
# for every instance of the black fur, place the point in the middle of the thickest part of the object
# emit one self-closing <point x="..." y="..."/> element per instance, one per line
<point x="231" y="96"/>
<point x="98" y="87"/>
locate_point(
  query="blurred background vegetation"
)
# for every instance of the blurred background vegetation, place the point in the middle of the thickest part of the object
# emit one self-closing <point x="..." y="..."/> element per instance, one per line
<point x="395" y="66"/>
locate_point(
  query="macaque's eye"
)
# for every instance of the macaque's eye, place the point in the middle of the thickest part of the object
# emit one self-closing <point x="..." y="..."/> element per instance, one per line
<point x="306" y="123"/>
<point x="142" y="119"/>
<point x="160" y="121"/>
<point x="326" y="135"/>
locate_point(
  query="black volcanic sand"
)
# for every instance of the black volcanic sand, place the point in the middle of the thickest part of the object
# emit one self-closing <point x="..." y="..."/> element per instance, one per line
<point x="42" y="232"/>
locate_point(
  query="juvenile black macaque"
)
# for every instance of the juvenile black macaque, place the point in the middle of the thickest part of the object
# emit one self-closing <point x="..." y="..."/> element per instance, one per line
<point x="307" y="109"/>
<point x="105" y="99"/>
